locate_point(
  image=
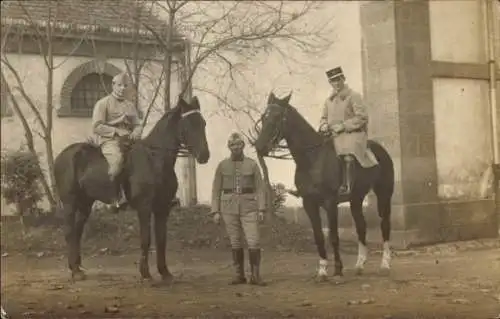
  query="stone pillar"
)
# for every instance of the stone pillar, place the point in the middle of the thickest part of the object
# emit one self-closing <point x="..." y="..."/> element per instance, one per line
<point x="397" y="77"/>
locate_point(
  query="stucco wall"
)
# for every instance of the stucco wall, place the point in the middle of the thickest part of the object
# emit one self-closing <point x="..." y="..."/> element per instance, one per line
<point x="461" y="106"/>
<point x="453" y="106"/>
<point x="463" y="139"/>
<point x="68" y="130"/>
<point x="308" y="83"/>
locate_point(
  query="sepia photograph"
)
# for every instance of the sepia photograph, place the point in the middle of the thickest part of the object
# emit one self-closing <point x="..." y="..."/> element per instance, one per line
<point x="250" y="159"/>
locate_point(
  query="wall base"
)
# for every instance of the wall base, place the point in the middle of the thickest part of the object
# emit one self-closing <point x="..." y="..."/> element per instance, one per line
<point x="424" y="224"/>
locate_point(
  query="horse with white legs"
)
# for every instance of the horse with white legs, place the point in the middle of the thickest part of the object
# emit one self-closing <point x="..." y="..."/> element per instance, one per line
<point x="317" y="178"/>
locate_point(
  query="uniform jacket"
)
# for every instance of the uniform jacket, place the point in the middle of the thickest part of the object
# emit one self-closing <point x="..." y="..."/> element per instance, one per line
<point x="238" y="187"/>
<point x="110" y="113"/>
<point x="348" y="109"/>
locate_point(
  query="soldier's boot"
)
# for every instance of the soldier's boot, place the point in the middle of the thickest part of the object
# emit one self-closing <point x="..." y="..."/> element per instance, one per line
<point x="346" y="186"/>
<point x="120" y="200"/>
<point x="254" y="257"/>
<point x="238" y="263"/>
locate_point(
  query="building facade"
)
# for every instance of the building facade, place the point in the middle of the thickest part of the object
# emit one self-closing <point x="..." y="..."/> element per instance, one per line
<point x="426" y="68"/>
<point x="422" y="67"/>
<point x="90" y="43"/>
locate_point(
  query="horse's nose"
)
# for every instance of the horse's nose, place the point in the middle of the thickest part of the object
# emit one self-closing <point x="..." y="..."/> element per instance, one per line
<point x="204" y="157"/>
<point x="262" y="150"/>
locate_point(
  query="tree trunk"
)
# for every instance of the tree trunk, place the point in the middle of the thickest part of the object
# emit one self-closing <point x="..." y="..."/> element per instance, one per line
<point x="269" y="191"/>
<point x="168" y="59"/>
<point x="54" y="198"/>
<point x="28" y="134"/>
<point x="20" y="212"/>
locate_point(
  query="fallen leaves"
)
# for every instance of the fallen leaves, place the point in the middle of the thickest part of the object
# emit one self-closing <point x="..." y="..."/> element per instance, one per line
<point x="111" y="309"/>
<point x="361" y="302"/>
<point x="460" y="301"/>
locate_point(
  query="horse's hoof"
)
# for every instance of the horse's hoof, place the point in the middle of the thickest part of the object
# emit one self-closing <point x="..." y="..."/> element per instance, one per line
<point x="359" y="271"/>
<point x="164" y="282"/>
<point x="78" y="275"/>
<point x="321" y="278"/>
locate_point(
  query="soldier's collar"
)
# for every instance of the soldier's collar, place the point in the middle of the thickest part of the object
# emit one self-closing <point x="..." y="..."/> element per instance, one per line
<point x="342" y="93"/>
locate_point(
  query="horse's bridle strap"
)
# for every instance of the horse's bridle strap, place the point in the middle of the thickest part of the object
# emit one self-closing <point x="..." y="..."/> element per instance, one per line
<point x="189" y="113"/>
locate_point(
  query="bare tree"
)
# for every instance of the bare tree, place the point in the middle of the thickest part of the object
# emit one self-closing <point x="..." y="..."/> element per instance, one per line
<point x="42" y="32"/>
<point x="225" y="37"/>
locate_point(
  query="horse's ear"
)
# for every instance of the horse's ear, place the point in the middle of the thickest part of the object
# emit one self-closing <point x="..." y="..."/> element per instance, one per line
<point x="271" y="98"/>
<point x="195" y="102"/>
<point x="287" y="98"/>
<point x="181" y="99"/>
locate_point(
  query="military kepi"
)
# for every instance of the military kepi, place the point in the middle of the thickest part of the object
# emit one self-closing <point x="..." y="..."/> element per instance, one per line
<point x="334" y="73"/>
<point x="235" y="138"/>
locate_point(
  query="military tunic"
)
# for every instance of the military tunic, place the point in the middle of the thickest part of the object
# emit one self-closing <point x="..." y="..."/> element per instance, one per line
<point x="108" y="115"/>
<point x="238" y="194"/>
<point x="347" y="108"/>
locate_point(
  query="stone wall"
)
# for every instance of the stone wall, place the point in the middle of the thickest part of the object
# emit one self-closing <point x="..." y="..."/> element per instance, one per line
<point x="433" y="124"/>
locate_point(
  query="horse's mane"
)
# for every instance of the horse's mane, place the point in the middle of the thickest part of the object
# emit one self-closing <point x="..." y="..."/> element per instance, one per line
<point x="171" y="114"/>
<point x="302" y="118"/>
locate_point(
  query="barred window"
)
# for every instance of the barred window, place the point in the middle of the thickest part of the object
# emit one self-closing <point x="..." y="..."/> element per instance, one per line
<point x="91" y="88"/>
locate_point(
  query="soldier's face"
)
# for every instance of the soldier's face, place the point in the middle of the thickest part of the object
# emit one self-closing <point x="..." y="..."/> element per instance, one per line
<point x="337" y="84"/>
<point x="236" y="149"/>
<point x="119" y="87"/>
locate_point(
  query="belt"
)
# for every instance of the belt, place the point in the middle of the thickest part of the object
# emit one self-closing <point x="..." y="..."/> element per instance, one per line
<point x="125" y="126"/>
<point x="244" y="190"/>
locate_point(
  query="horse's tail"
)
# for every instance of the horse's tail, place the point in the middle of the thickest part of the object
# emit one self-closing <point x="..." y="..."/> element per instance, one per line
<point x="385" y="182"/>
<point x="67" y="165"/>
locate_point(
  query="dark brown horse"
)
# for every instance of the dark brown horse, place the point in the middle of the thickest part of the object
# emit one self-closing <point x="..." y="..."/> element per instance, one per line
<point x="317" y="178"/>
<point x="148" y="176"/>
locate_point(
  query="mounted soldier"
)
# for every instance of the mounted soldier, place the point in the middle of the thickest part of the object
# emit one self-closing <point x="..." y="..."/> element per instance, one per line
<point x="345" y="117"/>
<point x="238" y="197"/>
<point x="114" y="121"/>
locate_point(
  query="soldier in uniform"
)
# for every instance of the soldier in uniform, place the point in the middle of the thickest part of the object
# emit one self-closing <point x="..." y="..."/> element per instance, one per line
<point x="345" y="116"/>
<point x="115" y="117"/>
<point x="238" y="197"/>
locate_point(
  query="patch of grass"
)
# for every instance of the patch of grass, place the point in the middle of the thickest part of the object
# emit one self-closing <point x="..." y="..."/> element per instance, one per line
<point x="187" y="228"/>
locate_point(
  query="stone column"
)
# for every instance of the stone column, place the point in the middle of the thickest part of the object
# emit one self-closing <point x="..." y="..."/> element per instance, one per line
<point x="398" y="87"/>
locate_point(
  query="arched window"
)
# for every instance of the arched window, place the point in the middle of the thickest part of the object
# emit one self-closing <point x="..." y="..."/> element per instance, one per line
<point x="91" y="88"/>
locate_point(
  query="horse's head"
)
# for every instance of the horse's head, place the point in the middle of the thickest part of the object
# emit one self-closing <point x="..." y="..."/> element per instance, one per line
<point x="273" y="123"/>
<point x="192" y="129"/>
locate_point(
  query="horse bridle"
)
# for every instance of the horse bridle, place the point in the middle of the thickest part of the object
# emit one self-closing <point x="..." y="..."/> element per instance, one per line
<point x="280" y="127"/>
<point x="184" y="115"/>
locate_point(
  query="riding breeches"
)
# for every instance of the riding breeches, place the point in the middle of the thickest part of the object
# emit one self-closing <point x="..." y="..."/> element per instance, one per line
<point x="111" y="151"/>
<point x="242" y="225"/>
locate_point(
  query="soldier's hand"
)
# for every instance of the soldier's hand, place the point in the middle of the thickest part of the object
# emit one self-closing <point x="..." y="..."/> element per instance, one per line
<point x="216" y="218"/>
<point x="121" y="132"/>
<point x="337" y="128"/>
<point x="325" y="131"/>
<point x="323" y="128"/>
<point x="136" y="134"/>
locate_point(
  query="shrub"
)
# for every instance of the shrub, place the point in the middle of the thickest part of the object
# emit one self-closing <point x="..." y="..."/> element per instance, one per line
<point x="279" y="196"/>
<point x="20" y="178"/>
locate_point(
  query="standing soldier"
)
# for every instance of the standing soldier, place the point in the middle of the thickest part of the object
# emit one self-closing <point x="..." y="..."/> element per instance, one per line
<point x="345" y="116"/>
<point x="238" y="195"/>
<point x="115" y="117"/>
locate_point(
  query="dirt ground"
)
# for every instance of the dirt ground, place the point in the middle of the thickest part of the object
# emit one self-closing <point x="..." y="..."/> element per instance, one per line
<point x="454" y="284"/>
